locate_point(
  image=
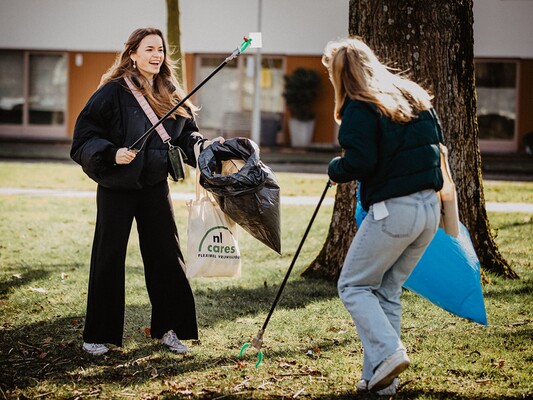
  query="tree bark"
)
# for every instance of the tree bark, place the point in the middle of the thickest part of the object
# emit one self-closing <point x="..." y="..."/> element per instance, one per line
<point x="433" y="41"/>
<point x="174" y="40"/>
<point x="328" y="263"/>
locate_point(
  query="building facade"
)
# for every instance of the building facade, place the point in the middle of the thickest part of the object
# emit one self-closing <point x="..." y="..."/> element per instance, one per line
<point x="53" y="53"/>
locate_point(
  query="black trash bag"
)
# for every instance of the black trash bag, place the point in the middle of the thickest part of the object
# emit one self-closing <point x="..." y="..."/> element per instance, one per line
<point x="249" y="195"/>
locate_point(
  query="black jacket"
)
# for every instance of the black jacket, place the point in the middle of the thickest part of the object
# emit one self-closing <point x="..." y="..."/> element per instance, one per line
<point x="390" y="159"/>
<point x="111" y="119"/>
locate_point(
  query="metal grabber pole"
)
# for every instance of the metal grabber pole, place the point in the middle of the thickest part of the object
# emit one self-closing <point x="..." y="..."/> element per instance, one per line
<point x="257" y="341"/>
<point x="244" y="45"/>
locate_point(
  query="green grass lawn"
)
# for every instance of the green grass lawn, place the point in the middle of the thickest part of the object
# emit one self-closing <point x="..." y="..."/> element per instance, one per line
<point x="311" y="347"/>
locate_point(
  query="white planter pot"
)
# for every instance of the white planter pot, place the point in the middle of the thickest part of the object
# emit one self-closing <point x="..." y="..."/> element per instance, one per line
<point x="301" y="132"/>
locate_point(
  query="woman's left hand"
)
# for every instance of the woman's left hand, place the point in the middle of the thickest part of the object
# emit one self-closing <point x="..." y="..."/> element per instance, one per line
<point x="124" y="156"/>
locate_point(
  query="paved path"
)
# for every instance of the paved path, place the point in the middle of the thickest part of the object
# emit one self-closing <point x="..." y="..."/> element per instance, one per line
<point x="288" y="200"/>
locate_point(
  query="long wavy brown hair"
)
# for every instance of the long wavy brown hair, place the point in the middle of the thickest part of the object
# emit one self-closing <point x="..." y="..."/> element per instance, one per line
<point x="356" y="72"/>
<point x="165" y="92"/>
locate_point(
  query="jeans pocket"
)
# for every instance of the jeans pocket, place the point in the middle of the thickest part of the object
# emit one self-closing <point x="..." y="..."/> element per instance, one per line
<point x="401" y="219"/>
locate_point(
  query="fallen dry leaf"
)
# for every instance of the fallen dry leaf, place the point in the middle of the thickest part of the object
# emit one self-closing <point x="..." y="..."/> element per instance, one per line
<point x="75" y="322"/>
<point x="239" y="365"/>
<point x="310" y="371"/>
<point x="146" y="332"/>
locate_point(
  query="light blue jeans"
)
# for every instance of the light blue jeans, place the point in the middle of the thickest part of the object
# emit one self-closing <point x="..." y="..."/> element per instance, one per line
<point x="380" y="259"/>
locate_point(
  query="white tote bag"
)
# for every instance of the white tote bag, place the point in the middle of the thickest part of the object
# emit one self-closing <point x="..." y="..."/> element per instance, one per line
<point x="212" y="245"/>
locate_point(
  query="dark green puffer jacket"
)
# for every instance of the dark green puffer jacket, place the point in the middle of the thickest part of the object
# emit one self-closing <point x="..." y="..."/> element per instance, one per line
<point x="390" y="159"/>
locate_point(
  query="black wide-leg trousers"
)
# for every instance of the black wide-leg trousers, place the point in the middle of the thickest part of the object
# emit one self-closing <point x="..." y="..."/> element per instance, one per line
<point x="168" y="288"/>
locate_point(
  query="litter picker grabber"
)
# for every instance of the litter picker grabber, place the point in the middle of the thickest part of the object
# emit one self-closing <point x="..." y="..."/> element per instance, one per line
<point x="244" y="45"/>
<point x="257" y="341"/>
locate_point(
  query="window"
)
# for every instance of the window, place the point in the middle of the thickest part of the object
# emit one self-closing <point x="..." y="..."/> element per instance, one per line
<point x="271" y="82"/>
<point x="221" y="94"/>
<point x="11" y="87"/>
<point x="496" y="100"/>
<point x="48" y="87"/>
<point x="226" y="101"/>
<point x="33" y="93"/>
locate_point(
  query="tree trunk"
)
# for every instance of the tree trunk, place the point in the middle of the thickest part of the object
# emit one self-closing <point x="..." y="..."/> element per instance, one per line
<point x="342" y="229"/>
<point x="174" y="40"/>
<point x="433" y="41"/>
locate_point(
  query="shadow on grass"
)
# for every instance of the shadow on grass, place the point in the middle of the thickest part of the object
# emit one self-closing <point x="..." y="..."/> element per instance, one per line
<point x="9" y="285"/>
<point x="407" y="394"/>
<point x="402" y="394"/>
<point x="51" y="349"/>
<point x="523" y="291"/>
<point x="234" y="302"/>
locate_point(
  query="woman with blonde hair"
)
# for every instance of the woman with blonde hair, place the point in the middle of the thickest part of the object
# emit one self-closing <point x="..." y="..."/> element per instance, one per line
<point x="390" y="136"/>
<point x="133" y="185"/>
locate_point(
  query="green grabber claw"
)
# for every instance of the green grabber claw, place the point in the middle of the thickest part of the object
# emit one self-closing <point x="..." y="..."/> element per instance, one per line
<point x="244" y="347"/>
<point x="257" y="342"/>
<point x="259" y="359"/>
<point x="245" y="44"/>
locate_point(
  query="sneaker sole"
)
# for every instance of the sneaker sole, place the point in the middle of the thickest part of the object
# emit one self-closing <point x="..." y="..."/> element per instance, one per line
<point x="175" y="351"/>
<point x="390" y="390"/>
<point x="362" y="386"/>
<point x="387" y="380"/>
<point x="97" y="353"/>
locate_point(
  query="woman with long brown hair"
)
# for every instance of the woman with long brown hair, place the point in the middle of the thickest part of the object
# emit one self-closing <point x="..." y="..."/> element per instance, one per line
<point x="133" y="185"/>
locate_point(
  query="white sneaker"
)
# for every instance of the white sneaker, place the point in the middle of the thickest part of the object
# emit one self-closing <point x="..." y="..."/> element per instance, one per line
<point x="96" y="349"/>
<point x="170" y="340"/>
<point x="362" y="386"/>
<point x="389" y="369"/>
<point x="391" y="389"/>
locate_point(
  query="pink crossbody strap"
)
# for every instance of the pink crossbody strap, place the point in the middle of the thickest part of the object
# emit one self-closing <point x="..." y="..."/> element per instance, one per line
<point x="148" y="111"/>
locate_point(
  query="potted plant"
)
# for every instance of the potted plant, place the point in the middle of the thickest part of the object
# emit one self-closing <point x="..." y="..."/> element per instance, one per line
<point x="301" y="91"/>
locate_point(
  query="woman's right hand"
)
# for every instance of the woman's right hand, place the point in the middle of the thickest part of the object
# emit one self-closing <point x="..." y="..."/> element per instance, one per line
<point x="124" y="156"/>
